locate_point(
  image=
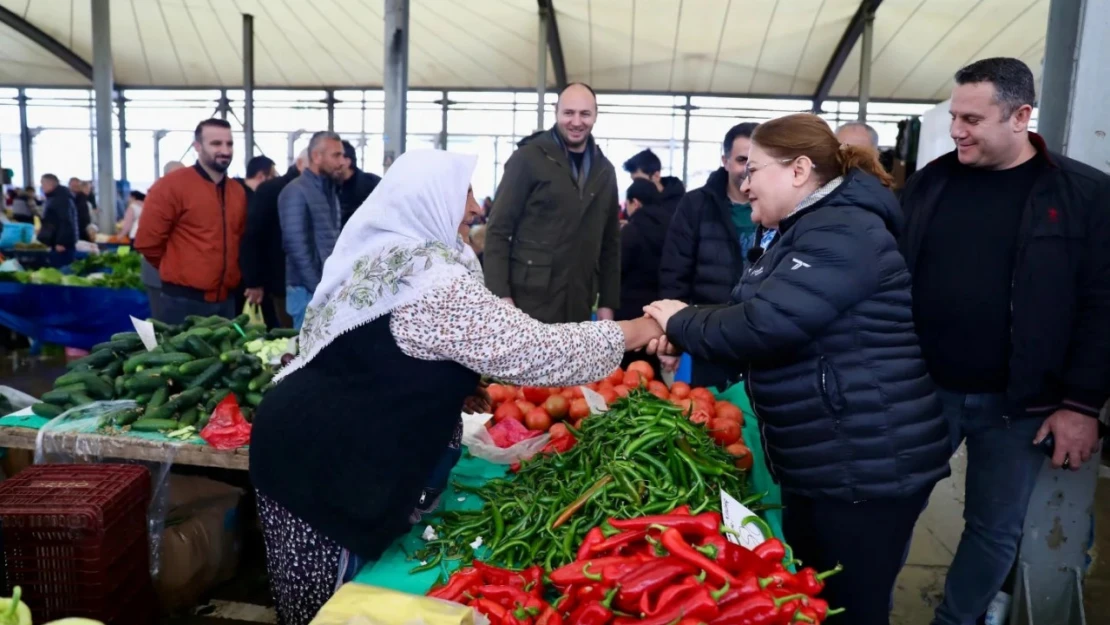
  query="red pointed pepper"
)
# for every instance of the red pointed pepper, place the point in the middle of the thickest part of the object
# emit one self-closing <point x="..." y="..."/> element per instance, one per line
<point x="700" y="605"/>
<point x="735" y="558"/>
<point x="496" y="613"/>
<point x="650" y="577"/>
<point x="533" y="580"/>
<point x="821" y="607"/>
<point x="549" y="616"/>
<point x="582" y="572"/>
<point x="615" y="573"/>
<point x="704" y="524"/>
<point x="674" y="543"/>
<point x="781" y="578"/>
<point x="683" y="509"/>
<point x="506" y="596"/>
<point x="758" y="609"/>
<point x="464" y="580"/>
<point x="593" y="537"/>
<point x="669" y="595"/>
<point x="499" y="576"/>
<point x="771" y="550"/>
<point x="617" y="542"/>
<point x="811" y="582"/>
<point x="595" y="612"/>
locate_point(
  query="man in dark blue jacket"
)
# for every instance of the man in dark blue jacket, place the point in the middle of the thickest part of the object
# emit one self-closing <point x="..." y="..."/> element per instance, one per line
<point x="1009" y="247"/>
<point x="646" y="165"/>
<point x="59" y="222"/>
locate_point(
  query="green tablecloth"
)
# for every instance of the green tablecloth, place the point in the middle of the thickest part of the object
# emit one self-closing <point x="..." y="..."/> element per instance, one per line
<point x="392" y="570"/>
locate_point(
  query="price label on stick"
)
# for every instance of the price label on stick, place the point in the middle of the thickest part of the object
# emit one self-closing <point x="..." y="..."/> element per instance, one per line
<point x="594" y="400"/>
<point x="145" y="329"/>
<point x="734" y="514"/>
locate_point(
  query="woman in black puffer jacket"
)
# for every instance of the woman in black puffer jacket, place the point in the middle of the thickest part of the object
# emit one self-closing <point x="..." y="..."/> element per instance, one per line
<point x="822" y="326"/>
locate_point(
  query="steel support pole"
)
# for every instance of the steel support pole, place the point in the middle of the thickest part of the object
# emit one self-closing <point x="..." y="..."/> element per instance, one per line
<point x="1059" y="523"/>
<point x="686" y="108"/>
<point x="445" y="105"/>
<point x="541" y="68"/>
<point x="866" y="43"/>
<point x="158" y="135"/>
<point x="25" y="143"/>
<point x="248" y="86"/>
<point x="396" y="82"/>
<point x="121" y="105"/>
<point x="102" y="85"/>
<point x="329" y="104"/>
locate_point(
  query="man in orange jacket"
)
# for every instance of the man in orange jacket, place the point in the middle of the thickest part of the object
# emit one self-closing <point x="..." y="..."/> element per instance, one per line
<point x="192" y="224"/>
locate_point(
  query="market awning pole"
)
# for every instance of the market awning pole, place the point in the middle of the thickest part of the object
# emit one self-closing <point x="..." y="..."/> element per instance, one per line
<point x="158" y="135"/>
<point x="248" y="87"/>
<point x="102" y="86"/>
<point x="121" y="104"/>
<point x="25" y="142"/>
<point x="445" y="106"/>
<point x="396" y="80"/>
<point x="541" y="68"/>
<point x="1053" y="557"/>
<point x="865" y="64"/>
<point x="329" y="105"/>
<point x="686" y="108"/>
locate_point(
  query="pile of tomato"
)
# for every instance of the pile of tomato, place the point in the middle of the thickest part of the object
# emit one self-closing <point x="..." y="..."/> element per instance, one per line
<point x="542" y="409"/>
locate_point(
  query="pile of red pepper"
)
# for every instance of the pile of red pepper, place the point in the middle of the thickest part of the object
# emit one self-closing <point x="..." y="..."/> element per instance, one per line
<point x="674" y="569"/>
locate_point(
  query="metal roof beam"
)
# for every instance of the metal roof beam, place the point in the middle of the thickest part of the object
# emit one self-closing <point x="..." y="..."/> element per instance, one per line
<point x="48" y="43"/>
<point x="554" y="43"/>
<point x="843" y="50"/>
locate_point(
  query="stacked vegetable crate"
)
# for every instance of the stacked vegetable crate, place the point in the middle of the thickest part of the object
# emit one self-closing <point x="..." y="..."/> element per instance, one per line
<point x="75" y="540"/>
<point x="177" y="384"/>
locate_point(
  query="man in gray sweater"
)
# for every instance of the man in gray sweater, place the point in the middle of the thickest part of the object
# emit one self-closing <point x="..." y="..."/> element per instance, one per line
<point x="310" y="221"/>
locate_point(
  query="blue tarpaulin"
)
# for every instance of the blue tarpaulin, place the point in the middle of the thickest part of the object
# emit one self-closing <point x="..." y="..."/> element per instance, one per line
<point x="68" y="315"/>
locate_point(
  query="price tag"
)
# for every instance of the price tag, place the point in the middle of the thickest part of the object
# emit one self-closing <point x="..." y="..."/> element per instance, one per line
<point x="145" y="329"/>
<point x="733" y="513"/>
<point x="594" y="400"/>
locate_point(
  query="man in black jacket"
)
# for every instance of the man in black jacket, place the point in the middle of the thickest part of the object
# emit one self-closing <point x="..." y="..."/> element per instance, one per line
<point x="82" y="203"/>
<point x="357" y="185"/>
<point x="59" y="222"/>
<point x="1009" y="246"/>
<point x="646" y="165"/>
<point x="261" y="255"/>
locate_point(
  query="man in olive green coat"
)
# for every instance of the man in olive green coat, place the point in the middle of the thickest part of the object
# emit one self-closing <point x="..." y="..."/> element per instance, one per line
<point x="553" y="238"/>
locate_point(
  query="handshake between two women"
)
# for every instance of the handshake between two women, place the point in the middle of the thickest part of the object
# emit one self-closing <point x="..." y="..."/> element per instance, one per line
<point x="649" y="332"/>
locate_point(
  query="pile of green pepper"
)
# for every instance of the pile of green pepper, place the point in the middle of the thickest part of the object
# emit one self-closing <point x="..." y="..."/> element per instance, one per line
<point x="642" y="457"/>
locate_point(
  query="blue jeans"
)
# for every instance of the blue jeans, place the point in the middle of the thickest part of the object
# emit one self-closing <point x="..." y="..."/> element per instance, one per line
<point x="296" y="303"/>
<point x="1002" y="468"/>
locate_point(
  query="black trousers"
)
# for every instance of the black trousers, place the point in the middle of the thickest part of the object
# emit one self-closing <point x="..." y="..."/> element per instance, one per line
<point x="868" y="538"/>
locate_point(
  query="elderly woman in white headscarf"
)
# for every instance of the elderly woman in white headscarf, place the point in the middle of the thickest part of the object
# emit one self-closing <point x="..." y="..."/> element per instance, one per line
<point x="394" y="341"/>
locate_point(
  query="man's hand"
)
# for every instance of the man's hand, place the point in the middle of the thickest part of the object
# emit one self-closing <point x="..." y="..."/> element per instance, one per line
<point x="639" y="332"/>
<point x="663" y="310"/>
<point x="1076" y="438"/>
<point x="254" y="296"/>
<point x="604" y="314"/>
<point x="478" y="403"/>
<point x="59" y="248"/>
<point x="668" y="356"/>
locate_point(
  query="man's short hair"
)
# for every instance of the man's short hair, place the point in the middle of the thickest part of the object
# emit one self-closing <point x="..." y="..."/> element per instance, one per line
<point x="351" y="154"/>
<point x="259" y="165"/>
<point x="745" y="129"/>
<point x="871" y="132"/>
<point x="643" y="190"/>
<point x="138" y="195"/>
<point x="214" y="122"/>
<point x="51" y="178"/>
<point x="1012" y="80"/>
<point x="320" y="137"/>
<point x="645" y="161"/>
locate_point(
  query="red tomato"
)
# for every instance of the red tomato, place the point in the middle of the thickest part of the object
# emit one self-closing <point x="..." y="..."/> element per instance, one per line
<point x="700" y="417"/>
<point x="568" y="393"/>
<point x="622" y="390"/>
<point x="579" y="409"/>
<point x="703" y="393"/>
<point x="592" y="386"/>
<point x="604" y="385"/>
<point x="537" y="419"/>
<point x="728" y="410"/>
<point x="610" y="395"/>
<point x="706" y="406"/>
<point x="508" y="410"/>
<point x="657" y="388"/>
<point x="685" y="403"/>
<point x="525" y="406"/>
<point x="497" y="393"/>
<point x="557" y="406"/>
<point x="536" y="395"/>
<point x="633" y="379"/>
<point x="742" y="454"/>
<point x="724" y="431"/>
<point x="643" y="367"/>
<point x="680" y="390"/>
<point x="575" y="392"/>
<point x="616" y="377"/>
<point x="558" y="431"/>
<point x="517" y="393"/>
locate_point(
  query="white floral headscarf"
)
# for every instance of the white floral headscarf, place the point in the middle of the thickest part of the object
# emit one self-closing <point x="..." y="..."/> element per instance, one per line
<point x="400" y="244"/>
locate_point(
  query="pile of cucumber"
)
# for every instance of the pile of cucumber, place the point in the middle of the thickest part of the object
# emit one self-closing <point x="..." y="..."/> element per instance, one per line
<point x="177" y="384"/>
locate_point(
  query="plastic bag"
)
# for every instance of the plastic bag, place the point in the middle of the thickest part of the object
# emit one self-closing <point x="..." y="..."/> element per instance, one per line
<point x="481" y="444"/>
<point x="359" y="604"/>
<point x="254" y="311"/>
<point x="61" y="441"/>
<point x="16" y="400"/>
<point x="227" y="429"/>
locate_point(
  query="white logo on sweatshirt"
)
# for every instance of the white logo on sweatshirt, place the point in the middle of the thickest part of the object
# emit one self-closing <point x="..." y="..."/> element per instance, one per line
<point x="798" y="264"/>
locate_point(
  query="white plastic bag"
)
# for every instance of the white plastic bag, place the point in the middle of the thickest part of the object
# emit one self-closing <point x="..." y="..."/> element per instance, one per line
<point x="18" y="399"/>
<point x="481" y="445"/>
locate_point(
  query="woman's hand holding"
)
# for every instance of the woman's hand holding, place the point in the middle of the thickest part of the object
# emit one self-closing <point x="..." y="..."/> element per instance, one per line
<point x="665" y="351"/>
<point x="663" y="310"/>
<point x="639" y="332"/>
<point x="478" y="403"/>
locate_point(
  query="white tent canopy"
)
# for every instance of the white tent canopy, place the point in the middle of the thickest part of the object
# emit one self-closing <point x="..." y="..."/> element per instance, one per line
<point x="741" y="47"/>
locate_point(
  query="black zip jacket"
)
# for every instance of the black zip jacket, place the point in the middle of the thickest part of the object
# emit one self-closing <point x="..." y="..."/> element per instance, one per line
<point x="261" y="255"/>
<point x="1060" y="298"/>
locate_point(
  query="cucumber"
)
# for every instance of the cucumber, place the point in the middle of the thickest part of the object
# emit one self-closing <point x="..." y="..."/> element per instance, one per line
<point x="197" y="347"/>
<point x="122" y="345"/>
<point x="190" y="416"/>
<point x="93" y="383"/>
<point x="79" y="399"/>
<point x="242" y="373"/>
<point x="152" y="359"/>
<point x="207" y="377"/>
<point x="62" y="396"/>
<point x="48" y="410"/>
<point x="282" y="333"/>
<point x="247" y="413"/>
<point x="142" y="399"/>
<point x="129" y="336"/>
<point x="127" y="417"/>
<point x="161" y="326"/>
<point x="220" y="334"/>
<point x="203" y="421"/>
<point x="239" y="386"/>
<point x="95" y="360"/>
<point x="146" y="382"/>
<point x="260" y="381"/>
<point x="226" y="345"/>
<point x="232" y="356"/>
<point x="113" y="369"/>
<point x="120" y="386"/>
<point x="254" y="399"/>
<point x="153" y="425"/>
<point x="197" y="366"/>
<point x="158" y="398"/>
<point x="216" y="397"/>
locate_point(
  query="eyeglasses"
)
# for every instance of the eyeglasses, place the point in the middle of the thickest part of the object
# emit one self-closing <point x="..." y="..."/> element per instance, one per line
<point x="781" y="161"/>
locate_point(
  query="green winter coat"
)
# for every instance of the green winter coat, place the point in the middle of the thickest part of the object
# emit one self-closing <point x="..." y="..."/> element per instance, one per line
<point x="551" y="244"/>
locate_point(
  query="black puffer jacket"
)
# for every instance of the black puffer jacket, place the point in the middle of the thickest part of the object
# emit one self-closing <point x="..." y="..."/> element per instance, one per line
<point x="701" y="261"/>
<point x="824" y="326"/>
<point x="641" y="244"/>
